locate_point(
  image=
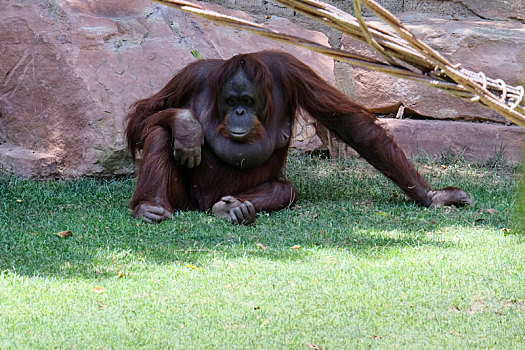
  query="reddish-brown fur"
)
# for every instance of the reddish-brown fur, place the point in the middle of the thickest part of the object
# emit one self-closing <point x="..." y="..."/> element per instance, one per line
<point x="287" y="84"/>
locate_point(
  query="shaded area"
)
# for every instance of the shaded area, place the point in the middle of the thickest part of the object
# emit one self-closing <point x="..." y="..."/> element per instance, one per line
<point x="343" y="204"/>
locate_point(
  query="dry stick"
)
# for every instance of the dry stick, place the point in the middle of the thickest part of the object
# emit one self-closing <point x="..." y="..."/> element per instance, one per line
<point x="440" y="77"/>
<point x="347" y="24"/>
<point x="368" y="37"/>
<point x="396" y="24"/>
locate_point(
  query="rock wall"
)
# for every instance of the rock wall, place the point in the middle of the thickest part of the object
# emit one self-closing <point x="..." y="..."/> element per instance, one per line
<point x="70" y="69"/>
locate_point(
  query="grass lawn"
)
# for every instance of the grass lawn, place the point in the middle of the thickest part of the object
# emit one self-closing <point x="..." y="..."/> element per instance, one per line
<point x="372" y="270"/>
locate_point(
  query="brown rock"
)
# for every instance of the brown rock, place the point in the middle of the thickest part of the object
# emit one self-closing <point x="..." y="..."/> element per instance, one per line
<point x="27" y="164"/>
<point x="71" y="69"/>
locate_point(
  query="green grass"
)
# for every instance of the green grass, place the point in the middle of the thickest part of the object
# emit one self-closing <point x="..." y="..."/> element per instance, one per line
<point x="373" y="269"/>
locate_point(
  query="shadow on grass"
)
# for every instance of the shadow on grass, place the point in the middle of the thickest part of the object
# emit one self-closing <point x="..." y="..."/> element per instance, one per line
<point x="356" y="211"/>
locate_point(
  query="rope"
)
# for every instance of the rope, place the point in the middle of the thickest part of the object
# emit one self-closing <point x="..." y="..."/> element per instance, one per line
<point x="519" y="99"/>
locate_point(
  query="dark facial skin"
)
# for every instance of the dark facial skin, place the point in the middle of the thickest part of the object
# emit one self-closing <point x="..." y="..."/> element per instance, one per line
<point x="240" y="103"/>
<point x="240" y="137"/>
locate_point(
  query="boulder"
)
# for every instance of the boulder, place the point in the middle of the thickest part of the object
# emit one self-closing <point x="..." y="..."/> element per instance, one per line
<point x="70" y="70"/>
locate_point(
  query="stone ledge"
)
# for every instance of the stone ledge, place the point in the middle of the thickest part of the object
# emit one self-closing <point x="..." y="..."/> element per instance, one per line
<point x="27" y="163"/>
<point x="477" y="142"/>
